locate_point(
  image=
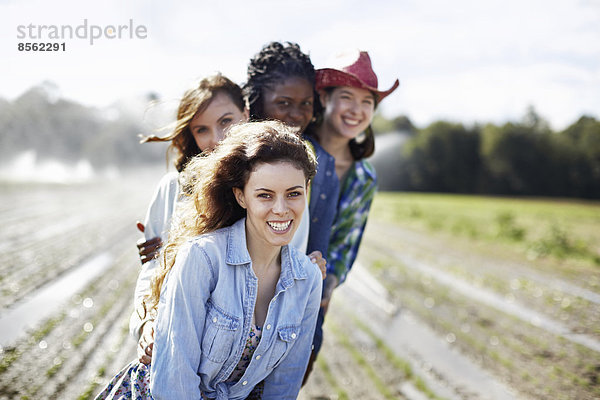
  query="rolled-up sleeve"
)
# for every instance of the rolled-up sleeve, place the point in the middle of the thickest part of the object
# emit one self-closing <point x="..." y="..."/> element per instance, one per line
<point x="142" y="288"/>
<point x="157" y="222"/>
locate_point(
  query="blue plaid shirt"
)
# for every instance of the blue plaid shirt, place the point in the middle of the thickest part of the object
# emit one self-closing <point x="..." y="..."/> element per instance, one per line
<point x="356" y="196"/>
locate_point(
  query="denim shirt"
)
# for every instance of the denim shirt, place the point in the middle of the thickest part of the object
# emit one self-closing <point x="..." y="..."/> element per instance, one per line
<point x="324" y="193"/>
<point x="204" y="316"/>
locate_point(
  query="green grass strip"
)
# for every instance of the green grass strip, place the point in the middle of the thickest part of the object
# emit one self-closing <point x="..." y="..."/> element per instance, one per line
<point x="91" y="390"/>
<point x="393" y="359"/>
<point x="381" y="386"/>
<point x="13" y="355"/>
<point x="398" y="362"/>
<point x="341" y="393"/>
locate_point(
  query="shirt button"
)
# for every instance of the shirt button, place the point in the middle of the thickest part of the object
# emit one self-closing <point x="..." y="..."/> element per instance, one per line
<point x="268" y="326"/>
<point x="293" y="336"/>
<point x="258" y="357"/>
<point x="245" y="383"/>
<point x="328" y="173"/>
<point x="315" y="219"/>
<point x="215" y="320"/>
<point x="323" y="196"/>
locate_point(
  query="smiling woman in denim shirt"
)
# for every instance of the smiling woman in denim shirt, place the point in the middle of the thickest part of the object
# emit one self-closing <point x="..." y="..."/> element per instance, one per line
<point x="204" y="115"/>
<point x="236" y="305"/>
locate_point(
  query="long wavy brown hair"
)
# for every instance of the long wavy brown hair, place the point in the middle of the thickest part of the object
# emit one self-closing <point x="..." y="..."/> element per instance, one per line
<point x="208" y="181"/>
<point x="183" y="145"/>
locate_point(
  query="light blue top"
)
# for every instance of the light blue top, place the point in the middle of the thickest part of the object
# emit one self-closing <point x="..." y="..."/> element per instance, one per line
<point x="204" y="317"/>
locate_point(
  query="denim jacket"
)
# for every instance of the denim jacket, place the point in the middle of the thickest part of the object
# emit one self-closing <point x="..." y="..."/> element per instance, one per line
<point x="324" y="194"/>
<point x="204" y="316"/>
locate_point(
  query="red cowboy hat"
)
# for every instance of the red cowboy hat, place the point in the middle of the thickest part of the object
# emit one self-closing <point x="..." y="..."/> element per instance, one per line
<point x="359" y="73"/>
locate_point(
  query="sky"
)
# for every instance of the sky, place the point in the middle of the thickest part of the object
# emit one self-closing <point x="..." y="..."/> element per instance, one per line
<point x="461" y="61"/>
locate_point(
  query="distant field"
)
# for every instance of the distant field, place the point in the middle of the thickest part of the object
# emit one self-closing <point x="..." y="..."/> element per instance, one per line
<point x="512" y="283"/>
<point x="565" y="230"/>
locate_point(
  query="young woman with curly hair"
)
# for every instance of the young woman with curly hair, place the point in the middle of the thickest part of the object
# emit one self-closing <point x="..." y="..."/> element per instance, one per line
<point x="235" y="304"/>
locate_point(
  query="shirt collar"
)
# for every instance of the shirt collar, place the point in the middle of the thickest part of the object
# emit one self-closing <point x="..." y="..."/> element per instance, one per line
<point x="291" y="268"/>
<point x="364" y="171"/>
<point x="237" y="250"/>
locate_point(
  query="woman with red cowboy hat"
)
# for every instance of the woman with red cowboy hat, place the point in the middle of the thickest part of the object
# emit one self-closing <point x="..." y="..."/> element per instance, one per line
<point x="349" y="94"/>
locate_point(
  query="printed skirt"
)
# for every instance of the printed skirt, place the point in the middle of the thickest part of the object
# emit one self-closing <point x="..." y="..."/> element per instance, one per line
<point x="132" y="382"/>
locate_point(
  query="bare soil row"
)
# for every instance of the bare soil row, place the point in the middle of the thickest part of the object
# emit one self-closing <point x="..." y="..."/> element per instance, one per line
<point x="533" y="361"/>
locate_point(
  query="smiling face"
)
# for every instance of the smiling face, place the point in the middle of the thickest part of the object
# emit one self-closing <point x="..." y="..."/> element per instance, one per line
<point x="290" y="101"/>
<point x="209" y="127"/>
<point x="274" y="199"/>
<point x="348" y="110"/>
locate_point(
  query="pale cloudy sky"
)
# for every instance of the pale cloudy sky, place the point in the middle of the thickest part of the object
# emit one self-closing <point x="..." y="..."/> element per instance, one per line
<point x="460" y="60"/>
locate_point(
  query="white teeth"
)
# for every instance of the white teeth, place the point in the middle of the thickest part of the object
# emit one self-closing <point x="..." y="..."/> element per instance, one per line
<point x="279" y="226"/>
<point x="352" y="122"/>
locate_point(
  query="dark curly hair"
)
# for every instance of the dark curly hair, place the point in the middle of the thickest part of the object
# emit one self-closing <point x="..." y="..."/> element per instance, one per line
<point x="273" y="64"/>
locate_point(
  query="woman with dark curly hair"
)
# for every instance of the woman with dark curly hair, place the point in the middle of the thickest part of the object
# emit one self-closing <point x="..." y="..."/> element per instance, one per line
<point x="280" y="85"/>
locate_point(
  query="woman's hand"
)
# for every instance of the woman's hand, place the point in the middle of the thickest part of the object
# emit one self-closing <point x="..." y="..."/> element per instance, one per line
<point x="148" y="249"/>
<point x="146" y="343"/>
<point x="317" y="258"/>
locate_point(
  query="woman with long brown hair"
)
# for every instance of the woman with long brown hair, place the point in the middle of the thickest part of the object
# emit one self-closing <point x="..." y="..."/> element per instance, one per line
<point x="235" y="304"/>
<point x="204" y="115"/>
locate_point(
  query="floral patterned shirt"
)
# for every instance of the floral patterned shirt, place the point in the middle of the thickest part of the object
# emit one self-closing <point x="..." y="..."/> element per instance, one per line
<point x="251" y="345"/>
<point x="356" y="195"/>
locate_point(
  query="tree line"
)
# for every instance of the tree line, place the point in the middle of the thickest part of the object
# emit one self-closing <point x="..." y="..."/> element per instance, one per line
<point x="516" y="158"/>
<point x="59" y="129"/>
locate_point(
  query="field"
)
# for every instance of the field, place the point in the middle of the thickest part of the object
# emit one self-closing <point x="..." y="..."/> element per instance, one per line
<point x="512" y="283"/>
<point x="453" y="297"/>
